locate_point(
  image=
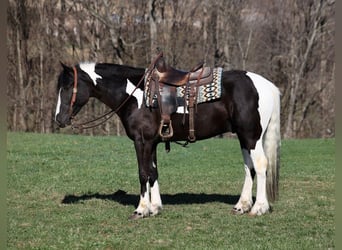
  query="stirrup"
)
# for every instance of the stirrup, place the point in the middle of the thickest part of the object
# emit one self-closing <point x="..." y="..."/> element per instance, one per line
<point x="165" y="130"/>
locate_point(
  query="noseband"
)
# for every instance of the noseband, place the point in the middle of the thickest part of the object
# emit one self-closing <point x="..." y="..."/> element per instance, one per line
<point x="74" y="92"/>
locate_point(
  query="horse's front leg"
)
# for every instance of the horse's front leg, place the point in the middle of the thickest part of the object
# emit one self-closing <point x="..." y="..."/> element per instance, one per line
<point x="143" y="209"/>
<point x="150" y="201"/>
<point x="156" y="203"/>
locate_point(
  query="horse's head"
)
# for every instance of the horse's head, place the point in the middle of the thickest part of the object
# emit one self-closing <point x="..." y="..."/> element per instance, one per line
<point x="73" y="93"/>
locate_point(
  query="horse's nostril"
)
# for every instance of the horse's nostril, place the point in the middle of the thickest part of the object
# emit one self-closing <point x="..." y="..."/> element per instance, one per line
<point x="61" y="125"/>
<point x="59" y="122"/>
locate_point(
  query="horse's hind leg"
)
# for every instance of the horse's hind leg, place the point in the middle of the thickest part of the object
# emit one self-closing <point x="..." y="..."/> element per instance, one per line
<point x="255" y="163"/>
<point x="261" y="205"/>
<point x="245" y="202"/>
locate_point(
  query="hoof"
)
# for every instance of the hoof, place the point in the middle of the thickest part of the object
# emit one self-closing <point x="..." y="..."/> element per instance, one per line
<point x="155" y="210"/>
<point x="260" y="209"/>
<point x="136" y="216"/>
<point x="252" y="215"/>
<point x="237" y="211"/>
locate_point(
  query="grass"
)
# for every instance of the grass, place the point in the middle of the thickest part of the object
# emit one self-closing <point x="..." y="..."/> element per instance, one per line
<point x="77" y="192"/>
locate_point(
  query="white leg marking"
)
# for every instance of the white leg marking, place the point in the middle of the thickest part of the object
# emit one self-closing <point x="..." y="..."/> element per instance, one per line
<point x="58" y="107"/>
<point x="89" y="68"/>
<point x="156" y="203"/>
<point x="144" y="204"/>
<point x="261" y="205"/>
<point x="245" y="202"/>
<point x="138" y="93"/>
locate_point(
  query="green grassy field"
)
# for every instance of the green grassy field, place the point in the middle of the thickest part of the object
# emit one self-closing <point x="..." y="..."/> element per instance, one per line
<point x="77" y="192"/>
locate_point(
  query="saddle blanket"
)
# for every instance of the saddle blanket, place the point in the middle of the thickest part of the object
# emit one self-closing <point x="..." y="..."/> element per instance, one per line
<point x="205" y="93"/>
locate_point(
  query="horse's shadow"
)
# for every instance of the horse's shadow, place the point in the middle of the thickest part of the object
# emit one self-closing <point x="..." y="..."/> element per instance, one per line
<point x="123" y="198"/>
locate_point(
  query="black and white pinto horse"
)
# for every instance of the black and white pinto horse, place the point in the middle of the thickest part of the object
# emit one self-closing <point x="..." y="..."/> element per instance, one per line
<point x="249" y="107"/>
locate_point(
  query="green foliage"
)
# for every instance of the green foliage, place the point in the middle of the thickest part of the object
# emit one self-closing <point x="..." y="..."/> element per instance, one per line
<point x="199" y="186"/>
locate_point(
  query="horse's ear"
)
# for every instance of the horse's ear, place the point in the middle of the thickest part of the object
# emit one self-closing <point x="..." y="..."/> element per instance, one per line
<point x="65" y="67"/>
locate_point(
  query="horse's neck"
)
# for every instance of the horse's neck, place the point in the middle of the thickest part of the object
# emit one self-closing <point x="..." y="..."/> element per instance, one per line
<point x="104" y="93"/>
<point x="113" y="94"/>
<point x="106" y="96"/>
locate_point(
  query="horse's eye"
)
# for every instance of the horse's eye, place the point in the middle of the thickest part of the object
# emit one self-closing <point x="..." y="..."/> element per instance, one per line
<point x="66" y="88"/>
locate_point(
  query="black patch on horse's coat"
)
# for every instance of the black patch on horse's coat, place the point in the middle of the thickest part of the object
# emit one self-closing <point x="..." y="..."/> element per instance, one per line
<point x="243" y="107"/>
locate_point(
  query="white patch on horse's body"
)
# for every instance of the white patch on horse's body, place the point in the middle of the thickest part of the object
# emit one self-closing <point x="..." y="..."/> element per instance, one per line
<point x="267" y="93"/>
<point x="89" y="68"/>
<point x="58" y="107"/>
<point x="269" y="107"/>
<point x="180" y="110"/>
<point x="138" y="93"/>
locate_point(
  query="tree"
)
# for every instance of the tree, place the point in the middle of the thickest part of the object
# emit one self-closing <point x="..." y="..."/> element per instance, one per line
<point x="289" y="42"/>
<point x="296" y="57"/>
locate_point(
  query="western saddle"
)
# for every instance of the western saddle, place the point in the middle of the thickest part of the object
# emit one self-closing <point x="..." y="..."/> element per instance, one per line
<point x="163" y="86"/>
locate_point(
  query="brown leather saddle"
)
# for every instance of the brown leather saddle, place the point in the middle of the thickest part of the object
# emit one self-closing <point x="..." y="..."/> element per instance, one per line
<point x="171" y="76"/>
<point x="163" y="86"/>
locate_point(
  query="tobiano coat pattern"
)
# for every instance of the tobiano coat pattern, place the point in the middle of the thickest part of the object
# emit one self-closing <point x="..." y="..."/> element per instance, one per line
<point x="249" y="106"/>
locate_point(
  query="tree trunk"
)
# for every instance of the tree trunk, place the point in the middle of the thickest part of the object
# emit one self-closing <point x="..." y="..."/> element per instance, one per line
<point x="153" y="27"/>
<point x="40" y="115"/>
<point x="244" y="52"/>
<point x="21" y="87"/>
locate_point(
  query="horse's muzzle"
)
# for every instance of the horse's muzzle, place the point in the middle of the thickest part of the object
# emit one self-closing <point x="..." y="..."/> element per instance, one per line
<point x="63" y="122"/>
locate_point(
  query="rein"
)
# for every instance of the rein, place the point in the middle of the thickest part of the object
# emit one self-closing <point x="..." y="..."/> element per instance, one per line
<point x="113" y="111"/>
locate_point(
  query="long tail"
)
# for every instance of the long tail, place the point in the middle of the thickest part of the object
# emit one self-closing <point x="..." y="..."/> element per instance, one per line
<point x="272" y="141"/>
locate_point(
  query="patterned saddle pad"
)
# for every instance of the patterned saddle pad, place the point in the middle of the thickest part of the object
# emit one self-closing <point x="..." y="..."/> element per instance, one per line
<point x="205" y="93"/>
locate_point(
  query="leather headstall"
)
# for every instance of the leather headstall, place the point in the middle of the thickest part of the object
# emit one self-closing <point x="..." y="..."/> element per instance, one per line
<point x="74" y="92"/>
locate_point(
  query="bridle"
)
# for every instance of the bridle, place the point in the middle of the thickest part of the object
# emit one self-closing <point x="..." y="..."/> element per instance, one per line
<point x="74" y="92"/>
<point x="111" y="112"/>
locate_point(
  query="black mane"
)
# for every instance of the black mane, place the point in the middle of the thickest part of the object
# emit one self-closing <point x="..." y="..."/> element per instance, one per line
<point x="112" y="71"/>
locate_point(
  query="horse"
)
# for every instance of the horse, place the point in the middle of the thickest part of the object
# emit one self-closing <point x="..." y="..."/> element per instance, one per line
<point x="248" y="107"/>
